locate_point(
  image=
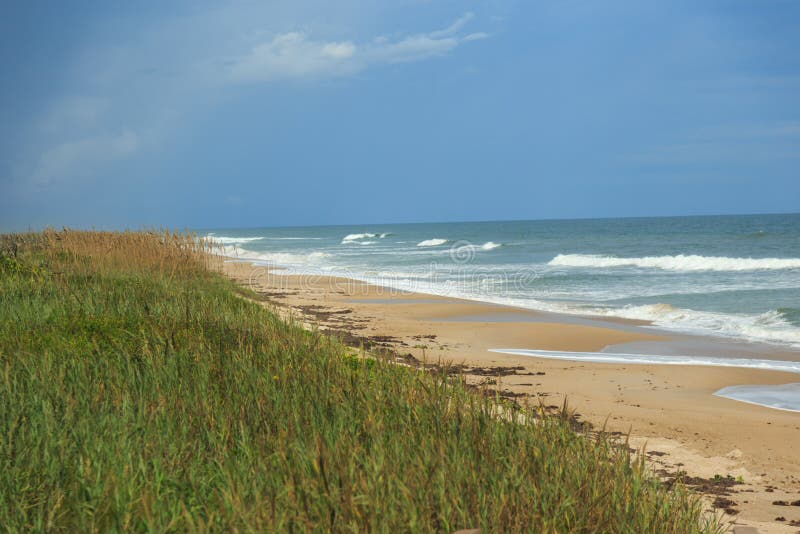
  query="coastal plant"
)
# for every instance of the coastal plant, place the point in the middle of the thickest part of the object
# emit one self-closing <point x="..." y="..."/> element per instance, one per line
<point x="140" y="392"/>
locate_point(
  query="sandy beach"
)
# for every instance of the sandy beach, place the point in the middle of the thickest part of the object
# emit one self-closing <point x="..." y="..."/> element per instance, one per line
<point x="670" y="411"/>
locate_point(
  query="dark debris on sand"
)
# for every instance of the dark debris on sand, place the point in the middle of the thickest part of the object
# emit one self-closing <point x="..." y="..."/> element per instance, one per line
<point x="719" y="487"/>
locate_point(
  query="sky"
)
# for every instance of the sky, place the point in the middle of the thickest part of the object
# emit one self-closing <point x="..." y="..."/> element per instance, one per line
<point x="192" y="114"/>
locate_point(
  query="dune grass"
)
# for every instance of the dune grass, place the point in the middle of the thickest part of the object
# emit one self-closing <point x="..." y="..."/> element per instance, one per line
<point x="139" y="392"/>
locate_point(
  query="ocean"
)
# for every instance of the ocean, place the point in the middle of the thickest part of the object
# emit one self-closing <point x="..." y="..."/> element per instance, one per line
<point x="734" y="277"/>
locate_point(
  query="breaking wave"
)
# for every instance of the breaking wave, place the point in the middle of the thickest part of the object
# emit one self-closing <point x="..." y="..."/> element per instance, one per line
<point x="286" y="259"/>
<point x="225" y="240"/>
<point x="677" y="263"/>
<point x="355" y="238"/>
<point x="772" y="326"/>
<point x="432" y="242"/>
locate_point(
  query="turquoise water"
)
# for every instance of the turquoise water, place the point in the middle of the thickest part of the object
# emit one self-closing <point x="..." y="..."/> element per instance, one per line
<point x="736" y="277"/>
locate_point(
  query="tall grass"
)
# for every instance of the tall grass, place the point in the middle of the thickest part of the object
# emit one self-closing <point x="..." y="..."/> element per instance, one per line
<point x="139" y="392"/>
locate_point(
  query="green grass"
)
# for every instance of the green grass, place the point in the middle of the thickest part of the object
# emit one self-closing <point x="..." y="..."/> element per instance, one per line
<point x="139" y="392"/>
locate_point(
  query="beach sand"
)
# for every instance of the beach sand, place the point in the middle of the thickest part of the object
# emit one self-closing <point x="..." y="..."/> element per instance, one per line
<point x="670" y="411"/>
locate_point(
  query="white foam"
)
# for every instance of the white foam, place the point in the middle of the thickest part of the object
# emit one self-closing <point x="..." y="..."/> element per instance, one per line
<point x="225" y="240"/>
<point x="356" y="237"/>
<point x="353" y="238"/>
<point x="770" y="326"/>
<point x="781" y="397"/>
<point x="677" y="263"/>
<point x="283" y="259"/>
<point x="432" y="242"/>
<point x="489" y="245"/>
<point x="657" y="359"/>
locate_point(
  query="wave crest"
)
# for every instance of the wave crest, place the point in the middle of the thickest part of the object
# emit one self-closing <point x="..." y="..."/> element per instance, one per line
<point x="432" y="242"/>
<point x="771" y="326"/>
<point x="277" y="258"/>
<point x="225" y="240"/>
<point x="355" y="238"/>
<point x="680" y="262"/>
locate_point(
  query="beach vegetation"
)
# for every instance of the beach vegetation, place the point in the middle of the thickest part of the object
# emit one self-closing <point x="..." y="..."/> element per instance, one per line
<point x="139" y="391"/>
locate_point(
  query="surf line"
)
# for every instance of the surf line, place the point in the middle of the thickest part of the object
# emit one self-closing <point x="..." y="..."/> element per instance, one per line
<point x="656" y="359"/>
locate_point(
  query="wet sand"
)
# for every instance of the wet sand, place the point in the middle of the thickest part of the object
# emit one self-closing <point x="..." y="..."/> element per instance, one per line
<point x="669" y="410"/>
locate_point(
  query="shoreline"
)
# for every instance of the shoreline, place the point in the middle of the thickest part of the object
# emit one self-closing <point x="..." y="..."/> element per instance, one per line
<point x="663" y="407"/>
<point x="561" y="310"/>
<point x="699" y="344"/>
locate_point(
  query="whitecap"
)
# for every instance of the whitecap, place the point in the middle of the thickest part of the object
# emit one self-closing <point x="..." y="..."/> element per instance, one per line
<point x="356" y="237"/>
<point x="225" y="240"/>
<point x="771" y="326"/>
<point x="432" y="242"/>
<point x="680" y="262"/>
<point x="284" y="259"/>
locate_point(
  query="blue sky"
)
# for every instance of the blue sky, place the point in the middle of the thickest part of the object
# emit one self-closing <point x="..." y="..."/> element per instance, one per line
<point x="236" y="113"/>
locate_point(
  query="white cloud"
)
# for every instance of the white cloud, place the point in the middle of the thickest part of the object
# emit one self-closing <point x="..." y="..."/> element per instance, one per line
<point x="477" y="36"/>
<point x="339" y="50"/>
<point x="83" y="157"/>
<point x="295" y="55"/>
<point x="152" y="79"/>
<point x="412" y="48"/>
<point x="453" y="28"/>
